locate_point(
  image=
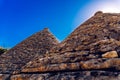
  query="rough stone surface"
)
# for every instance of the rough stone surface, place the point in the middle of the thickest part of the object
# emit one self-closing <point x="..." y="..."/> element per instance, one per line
<point x="90" y="52"/>
<point x="4" y="76"/>
<point x="100" y="63"/>
<point x="111" y="54"/>
<point x="100" y="31"/>
<point x="34" y="46"/>
<point x="73" y="75"/>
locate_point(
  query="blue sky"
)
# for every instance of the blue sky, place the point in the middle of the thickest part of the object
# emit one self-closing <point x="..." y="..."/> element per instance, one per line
<point x="21" y="18"/>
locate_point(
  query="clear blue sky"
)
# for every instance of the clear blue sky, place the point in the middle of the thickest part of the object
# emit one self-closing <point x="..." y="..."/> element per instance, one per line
<point x="21" y="18"/>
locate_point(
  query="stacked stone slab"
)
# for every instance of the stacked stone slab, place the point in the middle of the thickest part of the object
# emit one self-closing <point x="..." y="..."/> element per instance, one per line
<point x="90" y="52"/>
<point x="34" y="46"/>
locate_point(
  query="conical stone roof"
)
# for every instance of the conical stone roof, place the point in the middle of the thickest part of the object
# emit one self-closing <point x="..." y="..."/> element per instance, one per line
<point x="34" y="46"/>
<point x="91" y="50"/>
<point x="102" y="26"/>
<point x="93" y="38"/>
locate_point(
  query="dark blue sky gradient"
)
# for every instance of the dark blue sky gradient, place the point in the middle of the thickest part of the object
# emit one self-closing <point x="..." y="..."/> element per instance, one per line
<point x="21" y="18"/>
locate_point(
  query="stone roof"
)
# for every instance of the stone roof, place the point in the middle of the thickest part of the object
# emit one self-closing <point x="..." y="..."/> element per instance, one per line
<point x="97" y="35"/>
<point x="101" y="26"/>
<point x="90" y="52"/>
<point x="84" y="49"/>
<point x="34" y="46"/>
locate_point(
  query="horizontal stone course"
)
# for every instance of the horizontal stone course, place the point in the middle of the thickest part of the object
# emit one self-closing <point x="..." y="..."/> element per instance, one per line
<point x="90" y="52"/>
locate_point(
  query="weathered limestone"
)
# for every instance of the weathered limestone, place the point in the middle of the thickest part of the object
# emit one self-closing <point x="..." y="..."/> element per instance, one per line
<point x="91" y="52"/>
<point x="34" y="46"/>
<point x="111" y="54"/>
<point x="73" y="75"/>
<point x="98" y="28"/>
<point x="4" y="76"/>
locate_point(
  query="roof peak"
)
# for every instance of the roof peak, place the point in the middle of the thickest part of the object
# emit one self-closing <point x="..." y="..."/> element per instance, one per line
<point x="98" y="13"/>
<point x="46" y="29"/>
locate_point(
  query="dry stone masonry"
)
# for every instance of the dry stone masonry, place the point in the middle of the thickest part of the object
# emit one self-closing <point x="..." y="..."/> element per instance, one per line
<point x="90" y="52"/>
<point x="29" y="49"/>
